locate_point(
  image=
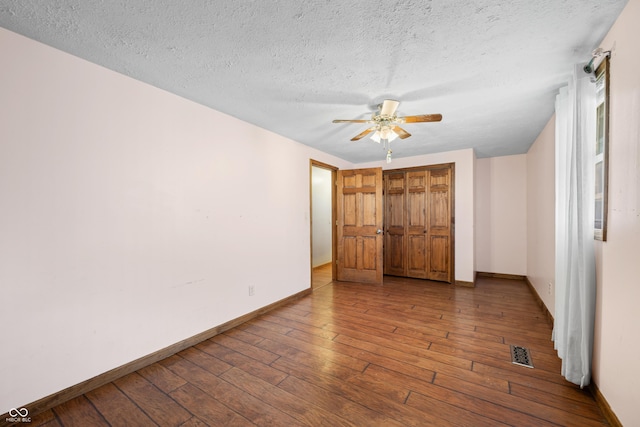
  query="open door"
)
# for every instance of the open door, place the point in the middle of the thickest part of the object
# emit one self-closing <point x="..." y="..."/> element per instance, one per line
<point x="359" y="211"/>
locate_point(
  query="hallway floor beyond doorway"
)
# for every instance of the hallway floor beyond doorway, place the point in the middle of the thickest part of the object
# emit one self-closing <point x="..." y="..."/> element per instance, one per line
<point x="321" y="276"/>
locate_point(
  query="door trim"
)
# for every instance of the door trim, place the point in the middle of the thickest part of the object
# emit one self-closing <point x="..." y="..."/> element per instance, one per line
<point x="334" y="216"/>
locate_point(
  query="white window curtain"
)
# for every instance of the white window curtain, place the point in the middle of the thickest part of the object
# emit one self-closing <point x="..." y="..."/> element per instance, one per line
<point x="575" y="260"/>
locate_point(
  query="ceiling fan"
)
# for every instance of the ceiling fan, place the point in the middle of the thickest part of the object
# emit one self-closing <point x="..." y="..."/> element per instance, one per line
<point x="386" y="124"/>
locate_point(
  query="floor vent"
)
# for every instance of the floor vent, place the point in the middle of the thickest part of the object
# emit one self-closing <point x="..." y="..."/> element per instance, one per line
<point x="520" y="356"/>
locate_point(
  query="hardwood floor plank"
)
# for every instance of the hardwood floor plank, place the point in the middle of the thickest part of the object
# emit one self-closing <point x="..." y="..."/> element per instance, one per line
<point x="205" y="360"/>
<point x="398" y="355"/>
<point x="392" y="364"/>
<point x="207" y="408"/>
<point x="447" y="404"/>
<point x="194" y="422"/>
<point x="283" y="400"/>
<point x="79" y="412"/>
<point x="407" y="352"/>
<point x="117" y="408"/>
<point x="410" y="346"/>
<point x="399" y="412"/>
<point x="450" y="413"/>
<point x="162" y="377"/>
<point x="242" y="347"/>
<point x="582" y="408"/>
<point x="321" y="275"/>
<point x="157" y="405"/>
<point x="239" y="360"/>
<point x="298" y="326"/>
<point x="320" y="362"/>
<point x="254" y="409"/>
<point x="535" y="412"/>
<point x="314" y="352"/>
<point x="496" y="414"/>
<point x="44" y="419"/>
<point x="333" y="402"/>
<point x="517" y="376"/>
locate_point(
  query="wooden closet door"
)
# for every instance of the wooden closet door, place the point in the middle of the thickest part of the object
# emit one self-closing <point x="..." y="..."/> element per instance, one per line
<point x="416" y="212"/>
<point x="439" y="233"/>
<point x="418" y="221"/>
<point x="394" y="220"/>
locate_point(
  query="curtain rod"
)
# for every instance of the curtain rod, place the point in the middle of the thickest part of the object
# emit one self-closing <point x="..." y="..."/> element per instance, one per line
<point x="597" y="56"/>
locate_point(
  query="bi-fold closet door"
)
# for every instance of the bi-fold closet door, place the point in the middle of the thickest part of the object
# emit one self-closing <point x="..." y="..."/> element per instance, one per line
<point x="418" y="222"/>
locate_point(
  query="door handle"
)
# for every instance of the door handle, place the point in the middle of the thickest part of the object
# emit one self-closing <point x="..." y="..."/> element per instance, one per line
<point x="378" y="231"/>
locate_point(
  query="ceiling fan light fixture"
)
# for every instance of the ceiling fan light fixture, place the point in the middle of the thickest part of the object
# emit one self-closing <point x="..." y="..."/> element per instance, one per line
<point x="388" y="134"/>
<point x="385" y="125"/>
<point x="384" y="133"/>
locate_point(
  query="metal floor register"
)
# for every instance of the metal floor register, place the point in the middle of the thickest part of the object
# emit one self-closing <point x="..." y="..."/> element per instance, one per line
<point x="520" y="356"/>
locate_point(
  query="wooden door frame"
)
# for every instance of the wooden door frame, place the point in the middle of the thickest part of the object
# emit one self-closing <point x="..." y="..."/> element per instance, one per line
<point x="334" y="243"/>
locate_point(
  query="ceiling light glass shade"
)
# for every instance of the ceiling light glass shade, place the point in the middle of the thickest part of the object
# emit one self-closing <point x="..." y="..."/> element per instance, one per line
<point x="388" y="134"/>
<point x="384" y="133"/>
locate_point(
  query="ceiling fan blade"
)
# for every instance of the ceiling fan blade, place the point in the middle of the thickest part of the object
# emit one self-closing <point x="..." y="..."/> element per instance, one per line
<point x="422" y="118"/>
<point x="351" y="121"/>
<point x="401" y="132"/>
<point x="363" y="133"/>
<point x="389" y="107"/>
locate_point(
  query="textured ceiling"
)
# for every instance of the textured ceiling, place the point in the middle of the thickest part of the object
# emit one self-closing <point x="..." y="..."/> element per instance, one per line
<point x="491" y="68"/>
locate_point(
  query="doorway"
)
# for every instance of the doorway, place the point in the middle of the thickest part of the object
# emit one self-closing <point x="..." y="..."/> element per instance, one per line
<point x="418" y="218"/>
<point x="323" y="217"/>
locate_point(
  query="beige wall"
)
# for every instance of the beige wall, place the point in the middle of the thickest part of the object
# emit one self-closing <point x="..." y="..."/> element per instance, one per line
<point x="128" y="218"/>
<point x="501" y="215"/>
<point x="617" y="345"/>
<point x="541" y="218"/>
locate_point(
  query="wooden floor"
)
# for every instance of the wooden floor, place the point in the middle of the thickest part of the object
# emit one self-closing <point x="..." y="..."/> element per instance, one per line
<point x="321" y="276"/>
<point x="410" y="352"/>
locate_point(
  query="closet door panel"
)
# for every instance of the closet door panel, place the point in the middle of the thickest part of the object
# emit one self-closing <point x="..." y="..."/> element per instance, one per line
<point x="394" y="218"/>
<point x="439" y="229"/>
<point x="417" y="260"/>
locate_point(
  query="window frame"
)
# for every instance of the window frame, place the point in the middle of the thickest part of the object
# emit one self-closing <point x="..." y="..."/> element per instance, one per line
<point x="601" y="161"/>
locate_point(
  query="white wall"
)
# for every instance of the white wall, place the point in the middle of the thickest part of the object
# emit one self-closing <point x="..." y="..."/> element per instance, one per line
<point x="131" y="219"/>
<point x="321" y="241"/>
<point x="541" y="219"/>
<point x="464" y="202"/>
<point x="617" y="347"/>
<point x="501" y="214"/>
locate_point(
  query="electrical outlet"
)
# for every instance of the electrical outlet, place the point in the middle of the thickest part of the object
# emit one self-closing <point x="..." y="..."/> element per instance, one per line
<point x="550" y="287"/>
<point x="252" y="290"/>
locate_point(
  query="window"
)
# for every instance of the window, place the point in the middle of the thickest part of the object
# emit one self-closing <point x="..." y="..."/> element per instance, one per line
<point x="602" y="142"/>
